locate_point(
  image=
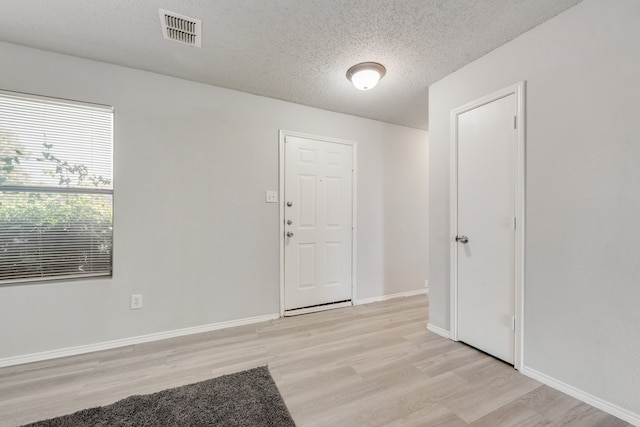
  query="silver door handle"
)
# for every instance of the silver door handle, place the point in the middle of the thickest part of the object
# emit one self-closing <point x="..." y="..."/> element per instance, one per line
<point x="462" y="239"/>
<point x="289" y="234"/>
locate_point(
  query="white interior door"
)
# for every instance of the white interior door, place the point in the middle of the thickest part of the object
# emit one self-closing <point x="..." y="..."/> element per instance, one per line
<point x="318" y="205"/>
<point x="487" y="144"/>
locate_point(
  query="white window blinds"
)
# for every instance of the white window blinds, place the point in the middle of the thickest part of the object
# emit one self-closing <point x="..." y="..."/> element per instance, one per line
<point x="56" y="189"/>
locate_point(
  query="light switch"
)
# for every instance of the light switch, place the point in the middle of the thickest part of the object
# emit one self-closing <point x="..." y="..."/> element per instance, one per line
<point x="271" y="196"/>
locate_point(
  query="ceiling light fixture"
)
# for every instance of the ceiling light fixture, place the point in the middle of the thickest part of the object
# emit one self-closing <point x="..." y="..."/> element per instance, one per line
<point x="366" y="75"/>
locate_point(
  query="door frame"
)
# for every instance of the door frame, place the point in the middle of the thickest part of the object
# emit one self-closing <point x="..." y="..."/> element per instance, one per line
<point x="518" y="90"/>
<point x="282" y="135"/>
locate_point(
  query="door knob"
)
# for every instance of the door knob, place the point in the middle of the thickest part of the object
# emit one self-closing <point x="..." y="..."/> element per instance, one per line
<point x="289" y="222"/>
<point x="462" y="239"/>
<point x="289" y="234"/>
<point x="289" y="204"/>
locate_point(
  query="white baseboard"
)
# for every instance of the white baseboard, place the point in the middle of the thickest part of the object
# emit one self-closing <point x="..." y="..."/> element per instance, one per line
<point x="390" y="296"/>
<point x="107" y="345"/>
<point x="438" y="330"/>
<point x="599" y="403"/>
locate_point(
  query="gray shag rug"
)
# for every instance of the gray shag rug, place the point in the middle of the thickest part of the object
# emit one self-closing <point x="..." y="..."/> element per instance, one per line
<point x="248" y="398"/>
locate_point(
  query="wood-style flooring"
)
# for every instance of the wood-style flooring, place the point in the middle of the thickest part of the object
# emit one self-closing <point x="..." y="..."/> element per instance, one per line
<point x="367" y="365"/>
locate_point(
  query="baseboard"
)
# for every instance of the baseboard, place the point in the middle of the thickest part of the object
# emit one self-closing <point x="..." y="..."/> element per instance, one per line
<point x="107" y="345"/>
<point x="592" y="400"/>
<point x="390" y="296"/>
<point x="438" y="330"/>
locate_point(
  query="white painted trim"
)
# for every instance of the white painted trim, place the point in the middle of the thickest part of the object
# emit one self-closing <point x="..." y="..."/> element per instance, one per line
<point x="354" y="223"/>
<point x="390" y="296"/>
<point x="298" y="311"/>
<point x="108" y="345"/>
<point x="282" y="134"/>
<point x="521" y="185"/>
<point x="439" y="331"/>
<point x="453" y="226"/>
<point x="592" y="400"/>
<point x="518" y="90"/>
<point x="281" y="137"/>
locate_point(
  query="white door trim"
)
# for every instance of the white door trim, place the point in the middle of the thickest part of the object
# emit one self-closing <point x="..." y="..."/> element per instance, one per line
<point x="282" y="134"/>
<point x="518" y="90"/>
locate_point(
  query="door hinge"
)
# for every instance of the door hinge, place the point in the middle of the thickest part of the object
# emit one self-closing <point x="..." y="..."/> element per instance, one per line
<point x="513" y="323"/>
<point x="515" y="122"/>
<point x="514" y="223"/>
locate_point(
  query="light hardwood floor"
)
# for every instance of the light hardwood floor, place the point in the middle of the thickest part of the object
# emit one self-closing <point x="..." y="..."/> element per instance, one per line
<point x="368" y="365"/>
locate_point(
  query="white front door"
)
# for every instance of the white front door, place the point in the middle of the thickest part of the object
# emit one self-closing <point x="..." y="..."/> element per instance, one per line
<point x="487" y="144"/>
<point x="318" y="215"/>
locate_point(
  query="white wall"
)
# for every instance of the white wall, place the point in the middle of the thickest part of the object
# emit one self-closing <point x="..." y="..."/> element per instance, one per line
<point x="192" y="231"/>
<point x="582" y="321"/>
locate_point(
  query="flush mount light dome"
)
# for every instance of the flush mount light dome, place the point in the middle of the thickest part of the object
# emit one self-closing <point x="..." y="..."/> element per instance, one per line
<point x="366" y="75"/>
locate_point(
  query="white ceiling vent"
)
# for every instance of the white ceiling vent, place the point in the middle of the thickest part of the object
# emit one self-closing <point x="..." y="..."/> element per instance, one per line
<point x="181" y="28"/>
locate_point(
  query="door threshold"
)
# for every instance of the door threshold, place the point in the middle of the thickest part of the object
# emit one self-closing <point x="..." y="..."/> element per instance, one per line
<point x="318" y="307"/>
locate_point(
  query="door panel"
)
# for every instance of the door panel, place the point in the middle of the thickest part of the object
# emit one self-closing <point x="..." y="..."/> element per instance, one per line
<point x="318" y="253"/>
<point x="306" y="265"/>
<point x="486" y="153"/>
<point x="335" y="207"/>
<point x="307" y="197"/>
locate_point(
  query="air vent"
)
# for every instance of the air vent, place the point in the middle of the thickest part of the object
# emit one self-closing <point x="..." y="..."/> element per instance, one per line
<point x="181" y="28"/>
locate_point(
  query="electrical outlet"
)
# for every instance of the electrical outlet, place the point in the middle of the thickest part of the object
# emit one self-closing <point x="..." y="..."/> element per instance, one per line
<point x="136" y="301"/>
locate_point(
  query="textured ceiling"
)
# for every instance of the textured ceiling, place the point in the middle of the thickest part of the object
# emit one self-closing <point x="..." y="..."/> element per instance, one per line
<point x="294" y="50"/>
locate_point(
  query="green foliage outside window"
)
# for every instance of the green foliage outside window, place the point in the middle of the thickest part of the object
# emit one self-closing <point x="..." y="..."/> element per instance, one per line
<point x="51" y="234"/>
<point x="33" y="224"/>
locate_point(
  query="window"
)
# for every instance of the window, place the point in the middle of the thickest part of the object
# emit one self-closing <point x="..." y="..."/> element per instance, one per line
<point x="56" y="189"/>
